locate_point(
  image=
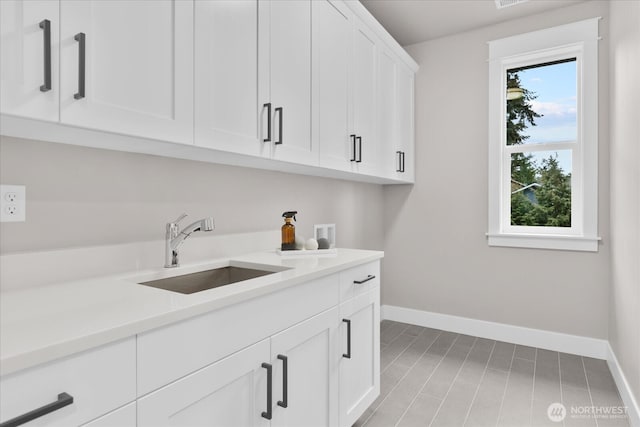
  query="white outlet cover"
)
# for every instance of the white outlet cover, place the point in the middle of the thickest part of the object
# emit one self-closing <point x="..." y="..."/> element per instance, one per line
<point x="13" y="203"/>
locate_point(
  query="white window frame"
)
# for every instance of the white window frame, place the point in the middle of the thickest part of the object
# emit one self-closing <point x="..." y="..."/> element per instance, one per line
<point x="577" y="40"/>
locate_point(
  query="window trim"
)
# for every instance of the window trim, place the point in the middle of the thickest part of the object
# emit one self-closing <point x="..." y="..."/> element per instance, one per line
<point x="579" y="40"/>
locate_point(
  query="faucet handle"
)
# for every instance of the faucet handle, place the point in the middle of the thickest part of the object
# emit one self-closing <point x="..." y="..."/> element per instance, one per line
<point x="180" y="218"/>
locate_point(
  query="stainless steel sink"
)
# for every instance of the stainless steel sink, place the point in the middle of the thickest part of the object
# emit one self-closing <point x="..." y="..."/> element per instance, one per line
<point x="209" y="279"/>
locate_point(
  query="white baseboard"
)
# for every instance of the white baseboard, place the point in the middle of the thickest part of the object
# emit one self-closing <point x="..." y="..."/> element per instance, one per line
<point x="574" y="344"/>
<point x="633" y="409"/>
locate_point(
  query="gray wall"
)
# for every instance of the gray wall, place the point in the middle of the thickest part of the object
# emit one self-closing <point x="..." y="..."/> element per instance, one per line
<point x="84" y="196"/>
<point x="625" y="189"/>
<point x="437" y="258"/>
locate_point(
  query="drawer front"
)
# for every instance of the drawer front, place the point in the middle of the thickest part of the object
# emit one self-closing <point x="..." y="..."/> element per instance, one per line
<point x="99" y="380"/>
<point x="359" y="280"/>
<point x="171" y="352"/>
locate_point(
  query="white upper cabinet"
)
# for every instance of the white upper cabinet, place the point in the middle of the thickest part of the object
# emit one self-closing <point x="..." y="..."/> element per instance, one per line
<point x="363" y="93"/>
<point x="29" y="58"/>
<point x="395" y="117"/>
<point x="331" y="82"/>
<point x="127" y="67"/>
<point x="287" y="32"/>
<point x="227" y="88"/>
<point x="405" y="127"/>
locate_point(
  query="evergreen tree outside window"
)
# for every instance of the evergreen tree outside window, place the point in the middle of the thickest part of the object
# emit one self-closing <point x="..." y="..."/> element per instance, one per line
<point x="543" y="139"/>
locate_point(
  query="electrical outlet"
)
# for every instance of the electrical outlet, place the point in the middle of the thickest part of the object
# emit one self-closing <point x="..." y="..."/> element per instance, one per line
<point x="13" y="203"/>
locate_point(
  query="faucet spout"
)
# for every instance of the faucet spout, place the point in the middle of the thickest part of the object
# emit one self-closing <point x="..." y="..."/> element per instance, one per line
<point x="175" y="238"/>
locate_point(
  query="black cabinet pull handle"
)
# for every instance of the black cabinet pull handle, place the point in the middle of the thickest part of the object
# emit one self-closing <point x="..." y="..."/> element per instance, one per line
<point x="64" y="399"/>
<point x="353" y="146"/>
<point x="285" y="381"/>
<point x="268" y="107"/>
<point x="402" y="162"/>
<point x="360" y="282"/>
<point x="347" y="355"/>
<point x="359" y="138"/>
<point x="399" y="168"/>
<point x="46" y="26"/>
<point x="279" y="112"/>
<point x="80" y="38"/>
<point x="268" y="414"/>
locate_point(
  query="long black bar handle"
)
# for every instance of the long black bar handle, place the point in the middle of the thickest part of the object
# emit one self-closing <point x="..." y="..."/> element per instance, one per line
<point x="402" y="162"/>
<point x="80" y="38"/>
<point x="45" y="24"/>
<point x="360" y="282"/>
<point x="347" y="355"/>
<point x="268" y="107"/>
<point x="64" y="399"/>
<point x="399" y="168"/>
<point x="268" y="413"/>
<point x="353" y="146"/>
<point x="278" y="111"/>
<point x="285" y="381"/>
<point x="359" y="138"/>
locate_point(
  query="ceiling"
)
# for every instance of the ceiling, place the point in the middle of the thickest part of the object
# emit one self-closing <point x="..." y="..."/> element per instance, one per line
<point x="413" y="21"/>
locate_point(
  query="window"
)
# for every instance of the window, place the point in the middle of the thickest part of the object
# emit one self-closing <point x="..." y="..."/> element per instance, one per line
<point x="543" y="138"/>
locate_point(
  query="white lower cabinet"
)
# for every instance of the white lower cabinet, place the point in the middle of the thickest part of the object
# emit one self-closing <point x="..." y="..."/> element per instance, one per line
<point x="230" y="393"/>
<point x="360" y="362"/>
<point x="83" y="386"/>
<point x="122" y="417"/>
<point x="290" y="379"/>
<point x="305" y="372"/>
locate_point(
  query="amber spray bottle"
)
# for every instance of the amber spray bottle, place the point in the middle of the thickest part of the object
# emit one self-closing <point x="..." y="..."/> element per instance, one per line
<point x="289" y="231"/>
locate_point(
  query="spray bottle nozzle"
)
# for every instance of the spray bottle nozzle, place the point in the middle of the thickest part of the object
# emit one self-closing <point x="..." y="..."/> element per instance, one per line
<point x="290" y="214"/>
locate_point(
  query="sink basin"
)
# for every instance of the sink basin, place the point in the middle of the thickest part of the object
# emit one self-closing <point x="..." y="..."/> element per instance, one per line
<point x="208" y="279"/>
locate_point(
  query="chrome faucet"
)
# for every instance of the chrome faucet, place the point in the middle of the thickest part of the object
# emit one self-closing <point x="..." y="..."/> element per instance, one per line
<point x="175" y="237"/>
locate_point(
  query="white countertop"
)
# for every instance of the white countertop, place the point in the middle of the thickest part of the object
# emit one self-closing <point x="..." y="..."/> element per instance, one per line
<point x="41" y="324"/>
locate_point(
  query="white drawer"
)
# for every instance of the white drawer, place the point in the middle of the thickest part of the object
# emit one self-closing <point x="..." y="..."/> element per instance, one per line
<point x="171" y="352"/>
<point x="358" y="280"/>
<point x="99" y="380"/>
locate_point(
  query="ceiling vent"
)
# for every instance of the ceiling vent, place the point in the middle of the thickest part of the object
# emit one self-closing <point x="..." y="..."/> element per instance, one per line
<point x="500" y="4"/>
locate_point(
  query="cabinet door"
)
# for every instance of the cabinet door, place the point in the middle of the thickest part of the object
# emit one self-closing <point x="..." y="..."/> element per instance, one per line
<point x="364" y="98"/>
<point x="226" y="76"/>
<point x="331" y="59"/>
<point x="387" y="115"/>
<point x="359" y="373"/>
<point x="138" y="67"/>
<point x="29" y="44"/>
<point x="123" y="417"/>
<point x="290" y="81"/>
<point x="311" y="375"/>
<point x="405" y="121"/>
<point x="228" y="393"/>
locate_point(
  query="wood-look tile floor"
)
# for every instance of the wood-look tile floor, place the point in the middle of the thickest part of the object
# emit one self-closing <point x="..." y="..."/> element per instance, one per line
<point x="436" y="378"/>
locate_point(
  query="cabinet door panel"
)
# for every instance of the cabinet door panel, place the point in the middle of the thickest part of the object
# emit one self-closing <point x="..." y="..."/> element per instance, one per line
<point x="122" y="417"/>
<point x="228" y="393"/>
<point x="360" y="374"/>
<point x="290" y="79"/>
<point x="312" y="372"/>
<point x="22" y="59"/>
<point x="331" y="59"/>
<point x="405" y="120"/>
<point x="364" y="96"/>
<point x="139" y="67"/>
<point x="226" y="75"/>
<point x="387" y="114"/>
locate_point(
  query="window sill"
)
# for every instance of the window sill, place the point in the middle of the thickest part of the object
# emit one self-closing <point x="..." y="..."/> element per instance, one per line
<point x="536" y="241"/>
